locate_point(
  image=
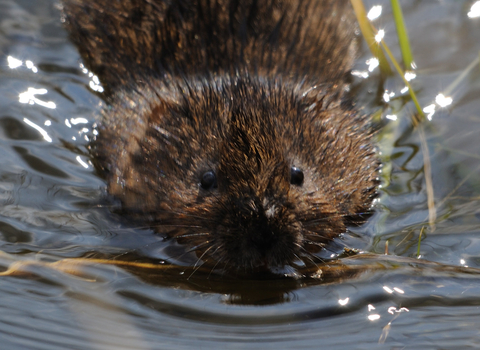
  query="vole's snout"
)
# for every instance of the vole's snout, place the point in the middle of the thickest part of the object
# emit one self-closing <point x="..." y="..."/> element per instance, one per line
<point x="262" y="233"/>
<point x="266" y="236"/>
<point x="263" y="238"/>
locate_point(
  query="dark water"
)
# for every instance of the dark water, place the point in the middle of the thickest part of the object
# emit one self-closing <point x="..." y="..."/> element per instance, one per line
<point x="54" y="207"/>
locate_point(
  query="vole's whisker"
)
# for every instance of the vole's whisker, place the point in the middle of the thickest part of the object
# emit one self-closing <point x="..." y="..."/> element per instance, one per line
<point x="305" y="254"/>
<point x="193" y="234"/>
<point x="216" y="264"/>
<point x="198" y="246"/>
<point x="195" y="267"/>
<point x="308" y="242"/>
<point x="176" y="226"/>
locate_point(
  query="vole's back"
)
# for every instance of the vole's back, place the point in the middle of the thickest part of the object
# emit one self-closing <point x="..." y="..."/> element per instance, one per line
<point x="130" y="39"/>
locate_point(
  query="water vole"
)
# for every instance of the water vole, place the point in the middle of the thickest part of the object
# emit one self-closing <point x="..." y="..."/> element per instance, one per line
<point x="228" y="127"/>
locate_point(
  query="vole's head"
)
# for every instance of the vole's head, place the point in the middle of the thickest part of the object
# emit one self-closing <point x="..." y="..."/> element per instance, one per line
<point x="248" y="174"/>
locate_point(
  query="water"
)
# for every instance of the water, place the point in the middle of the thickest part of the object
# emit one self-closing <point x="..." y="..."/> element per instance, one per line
<point x="54" y="207"/>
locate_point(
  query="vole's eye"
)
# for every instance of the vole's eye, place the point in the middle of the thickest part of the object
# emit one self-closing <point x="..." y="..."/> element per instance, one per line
<point x="296" y="176"/>
<point x="208" y="180"/>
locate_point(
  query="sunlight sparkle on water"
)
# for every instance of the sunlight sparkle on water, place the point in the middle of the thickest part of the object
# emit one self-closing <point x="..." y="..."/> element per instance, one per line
<point x="395" y="289"/>
<point x="474" y="10"/>
<point x="29" y="97"/>
<point x="13" y="62"/>
<point x="374" y="12"/>
<point x="82" y="163"/>
<point x="39" y="129"/>
<point x="393" y="309"/>
<point x="76" y="121"/>
<point x="380" y="35"/>
<point x="84" y="70"/>
<point x="95" y="82"/>
<point x="443" y="101"/>
<point x="388" y="290"/>
<point x="391" y="117"/>
<point x="31" y="66"/>
<point x="360" y="74"/>
<point x="430" y="111"/>
<point x="94" y="85"/>
<point x="343" y="301"/>
<point x="373" y="317"/>
<point x="410" y="76"/>
<point x="387" y="95"/>
<point x="372" y="63"/>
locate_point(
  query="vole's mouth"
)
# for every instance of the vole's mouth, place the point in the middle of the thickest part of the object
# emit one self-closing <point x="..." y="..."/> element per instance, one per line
<point x="280" y="246"/>
<point x="265" y="271"/>
<point x="260" y="267"/>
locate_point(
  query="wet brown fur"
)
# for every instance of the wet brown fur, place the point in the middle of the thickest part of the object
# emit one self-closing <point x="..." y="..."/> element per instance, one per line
<point x="246" y="89"/>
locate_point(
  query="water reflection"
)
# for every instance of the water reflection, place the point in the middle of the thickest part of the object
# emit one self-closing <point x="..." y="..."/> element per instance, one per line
<point x="30" y="98"/>
<point x="387" y="95"/>
<point x="374" y="12"/>
<point x="39" y="129"/>
<point x="392" y="310"/>
<point x="13" y="62"/>
<point x="94" y="83"/>
<point x="380" y="35"/>
<point x="360" y="74"/>
<point x="398" y="290"/>
<point x="29" y="64"/>
<point x="443" y="101"/>
<point x="82" y="163"/>
<point x="474" y="10"/>
<point x="387" y="289"/>
<point x="410" y="75"/>
<point x="372" y="63"/>
<point x="76" y="121"/>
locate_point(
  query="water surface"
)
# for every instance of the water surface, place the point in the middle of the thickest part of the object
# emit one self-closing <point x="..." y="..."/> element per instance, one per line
<point x="54" y="207"/>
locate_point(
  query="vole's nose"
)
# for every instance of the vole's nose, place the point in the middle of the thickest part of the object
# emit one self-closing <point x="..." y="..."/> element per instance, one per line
<point x="262" y="231"/>
<point x="262" y="236"/>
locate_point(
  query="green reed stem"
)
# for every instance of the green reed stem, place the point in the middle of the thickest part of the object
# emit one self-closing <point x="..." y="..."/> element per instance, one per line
<point x="420" y="241"/>
<point x="369" y="36"/>
<point x="402" y="35"/>
<point x="402" y="74"/>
